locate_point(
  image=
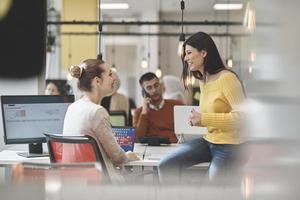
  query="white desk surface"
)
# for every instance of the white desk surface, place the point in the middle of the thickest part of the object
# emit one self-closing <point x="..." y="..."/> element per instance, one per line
<point x="151" y="154"/>
<point x="11" y="157"/>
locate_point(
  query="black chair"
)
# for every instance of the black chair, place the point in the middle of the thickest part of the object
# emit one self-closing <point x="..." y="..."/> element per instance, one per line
<point x="87" y="150"/>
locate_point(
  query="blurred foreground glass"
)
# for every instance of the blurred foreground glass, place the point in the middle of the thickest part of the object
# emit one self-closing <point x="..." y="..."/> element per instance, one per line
<point x="51" y="177"/>
<point x="22" y="36"/>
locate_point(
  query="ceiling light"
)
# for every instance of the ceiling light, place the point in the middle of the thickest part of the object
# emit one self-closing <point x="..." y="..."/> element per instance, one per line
<point x="114" y="5"/>
<point x="190" y="80"/>
<point x="180" y="44"/>
<point x="250" y="69"/>
<point x="113" y="68"/>
<point x="228" y="6"/>
<point x="252" y="56"/>
<point x="229" y="62"/>
<point x="144" y="63"/>
<point x="158" y="72"/>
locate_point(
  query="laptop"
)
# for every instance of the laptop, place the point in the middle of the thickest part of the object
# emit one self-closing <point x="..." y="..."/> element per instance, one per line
<point x="181" y="121"/>
<point x="125" y="137"/>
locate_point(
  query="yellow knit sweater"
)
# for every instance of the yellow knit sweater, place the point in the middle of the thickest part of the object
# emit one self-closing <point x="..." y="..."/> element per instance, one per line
<point x="219" y="101"/>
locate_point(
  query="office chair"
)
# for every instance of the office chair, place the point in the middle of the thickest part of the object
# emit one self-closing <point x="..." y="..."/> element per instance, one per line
<point x="118" y="118"/>
<point x="85" y="146"/>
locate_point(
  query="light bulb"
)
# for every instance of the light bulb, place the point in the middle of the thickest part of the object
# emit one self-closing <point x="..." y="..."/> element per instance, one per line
<point x="190" y="80"/>
<point x="230" y="62"/>
<point x="113" y="68"/>
<point x="180" y="45"/>
<point x="252" y="56"/>
<point x="180" y="48"/>
<point x="250" y="69"/>
<point x="158" y="73"/>
<point x="144" y="63"/>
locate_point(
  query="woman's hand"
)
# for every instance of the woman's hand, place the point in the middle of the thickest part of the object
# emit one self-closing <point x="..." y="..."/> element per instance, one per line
<point x="195" y="118"/>
<point x="132" y="156"/>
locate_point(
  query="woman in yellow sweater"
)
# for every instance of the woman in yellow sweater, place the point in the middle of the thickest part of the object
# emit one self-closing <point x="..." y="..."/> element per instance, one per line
<point x="221" y="94"/>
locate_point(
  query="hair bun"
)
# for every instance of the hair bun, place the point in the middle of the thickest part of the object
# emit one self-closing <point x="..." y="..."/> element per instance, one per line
<point x="76" y="71"/>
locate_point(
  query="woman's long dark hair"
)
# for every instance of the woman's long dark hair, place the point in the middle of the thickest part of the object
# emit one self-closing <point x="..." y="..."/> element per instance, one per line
<point x="212" y="62"/>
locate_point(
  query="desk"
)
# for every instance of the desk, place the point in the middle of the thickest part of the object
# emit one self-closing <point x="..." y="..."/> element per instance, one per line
<point x="151" y="155"/>
<point x="11" y="157"/>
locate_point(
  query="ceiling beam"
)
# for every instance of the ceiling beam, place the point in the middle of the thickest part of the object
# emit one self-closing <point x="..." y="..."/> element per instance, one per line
<point x="140" y="23"/>
<point x="150" y="34"/>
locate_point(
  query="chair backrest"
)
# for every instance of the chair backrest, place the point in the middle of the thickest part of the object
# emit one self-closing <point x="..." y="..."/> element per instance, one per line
<point x="74" y="149"/>
<point x="118" y="118"/>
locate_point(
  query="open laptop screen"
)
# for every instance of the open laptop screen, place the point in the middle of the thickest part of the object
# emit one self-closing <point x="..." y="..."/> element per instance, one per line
<point x="125" y="137"/>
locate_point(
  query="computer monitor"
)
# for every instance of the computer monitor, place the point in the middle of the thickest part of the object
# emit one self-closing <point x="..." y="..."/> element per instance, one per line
<point x="118" y="118"/>
<point x="26" y="118"/>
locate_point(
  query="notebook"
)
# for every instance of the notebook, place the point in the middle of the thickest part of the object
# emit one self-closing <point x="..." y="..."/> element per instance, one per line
<point x="125" y="137"/>
<point x="181" y="121"/>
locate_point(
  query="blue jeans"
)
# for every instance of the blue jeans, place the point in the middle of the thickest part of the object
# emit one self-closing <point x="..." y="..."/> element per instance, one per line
<point x="194" y="152"/>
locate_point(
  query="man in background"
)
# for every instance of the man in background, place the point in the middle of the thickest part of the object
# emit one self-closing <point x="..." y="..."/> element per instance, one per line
<point x="155" y="117"/>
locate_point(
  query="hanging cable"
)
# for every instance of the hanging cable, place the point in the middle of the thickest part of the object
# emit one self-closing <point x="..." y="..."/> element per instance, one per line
<point x="113" y="62"/>
<point x="229" y="60"/>
<point x="99" y="56"/>
<point x="182" y="8"/>
<point x="182" y="36"/>
<point x="158" y="71"/>
<point x="149" y="48"/>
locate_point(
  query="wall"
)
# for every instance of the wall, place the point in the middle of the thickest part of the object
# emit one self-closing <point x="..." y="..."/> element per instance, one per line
<point x="138" y="48"/>
<point x="75" y="49"/>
